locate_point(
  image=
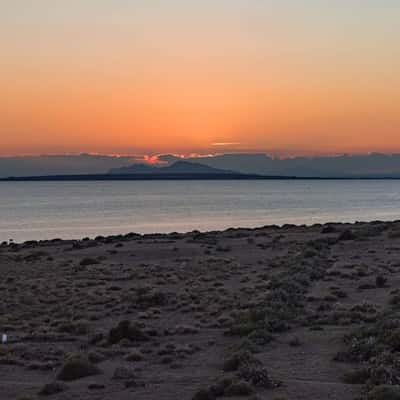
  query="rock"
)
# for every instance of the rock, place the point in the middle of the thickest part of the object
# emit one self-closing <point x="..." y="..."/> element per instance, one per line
<point x="134" y="356"/>
<point x="95" y="357"/>
<point x="329" y="229"/>
<point x="53" y="388"/>
<point x="123" y="373"/>
<point x="257" y="376"/>
<point x="125" y="330"/>
<point x="237" y="360"/>
<point x="203" y="394"/>
<point x="347" y="235"/>
<point x="186" y="330"/>
<point x="384" y="392"/>
<point x="380" y="281"/>
<point x="96" y="386"/>
<point x="88" y="261"/>
<point x="356" y="377"/>
<point x="239" y="388"/>
<point x="77" y="367"/>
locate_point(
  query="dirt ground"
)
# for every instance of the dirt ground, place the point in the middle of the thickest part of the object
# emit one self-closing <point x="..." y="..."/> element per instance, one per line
<point x="164" y="316"/>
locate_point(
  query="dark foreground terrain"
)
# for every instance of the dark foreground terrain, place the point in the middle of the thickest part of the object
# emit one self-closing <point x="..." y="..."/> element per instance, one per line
<point x="269" y="313"/>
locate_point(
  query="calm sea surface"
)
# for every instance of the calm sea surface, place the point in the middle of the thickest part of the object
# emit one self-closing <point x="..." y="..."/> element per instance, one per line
<point x="45" y="210"/>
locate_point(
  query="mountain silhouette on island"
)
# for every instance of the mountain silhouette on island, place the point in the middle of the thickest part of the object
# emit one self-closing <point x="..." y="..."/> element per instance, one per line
<point x="177" y="168"/>
<point x="232" y="166"/>
<point x="374" y="165"/>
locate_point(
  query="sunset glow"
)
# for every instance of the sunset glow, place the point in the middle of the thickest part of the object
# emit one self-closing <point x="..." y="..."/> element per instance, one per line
<point x="147" y="77"/>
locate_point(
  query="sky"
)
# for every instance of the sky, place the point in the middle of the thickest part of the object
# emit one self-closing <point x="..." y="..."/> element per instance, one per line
<point x="182" y="76"/>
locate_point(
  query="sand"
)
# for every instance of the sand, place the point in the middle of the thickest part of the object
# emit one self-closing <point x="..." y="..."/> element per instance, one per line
<point x="244" y="313"/>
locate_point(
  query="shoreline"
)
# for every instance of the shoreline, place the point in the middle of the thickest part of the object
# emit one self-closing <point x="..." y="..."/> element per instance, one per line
<point x="178" y="234"/>
<point x="257" y="312"/>
<point x="189" y="177"/>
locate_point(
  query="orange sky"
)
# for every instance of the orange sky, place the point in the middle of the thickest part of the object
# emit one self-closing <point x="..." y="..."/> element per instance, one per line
<point x="168" y="76"/>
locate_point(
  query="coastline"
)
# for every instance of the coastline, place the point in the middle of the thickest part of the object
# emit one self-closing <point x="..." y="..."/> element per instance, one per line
<point x="192" y="177"/>
<point x="175" y="235"/>
<point x="278" y="300"/>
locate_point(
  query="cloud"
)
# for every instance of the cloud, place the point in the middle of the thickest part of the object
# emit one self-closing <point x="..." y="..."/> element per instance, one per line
<point x="222" y="144"/>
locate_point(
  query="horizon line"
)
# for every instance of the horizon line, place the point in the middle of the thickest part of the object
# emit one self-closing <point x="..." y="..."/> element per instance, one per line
<point x="153" y="157"/>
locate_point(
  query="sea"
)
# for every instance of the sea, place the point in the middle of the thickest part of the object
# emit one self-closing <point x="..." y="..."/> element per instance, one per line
<point x="74" y="210"/>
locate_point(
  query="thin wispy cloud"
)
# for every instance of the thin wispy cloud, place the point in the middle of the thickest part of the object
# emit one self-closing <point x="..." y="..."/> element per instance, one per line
<point x="225" y="144"/>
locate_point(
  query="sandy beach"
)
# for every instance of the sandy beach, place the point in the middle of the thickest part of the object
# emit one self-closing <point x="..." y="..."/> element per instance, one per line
<point x="290" y="312"/>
